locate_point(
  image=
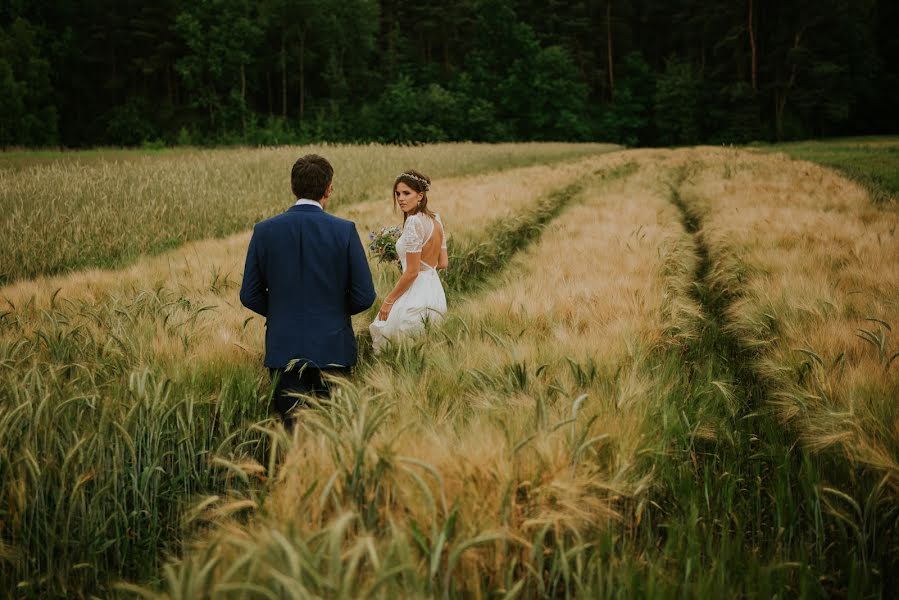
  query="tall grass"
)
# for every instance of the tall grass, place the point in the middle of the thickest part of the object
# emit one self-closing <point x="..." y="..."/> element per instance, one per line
<point x="491" y="456"/>
<point x="66" y="216"/>
<point x="737" y="508"/>
<point x="130" y="396"/>
<point x="101" y="449"/>
<point x="636" y="343"/>
<point x="812" y="266"/>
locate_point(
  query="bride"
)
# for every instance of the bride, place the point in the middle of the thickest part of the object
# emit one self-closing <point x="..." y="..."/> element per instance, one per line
<point x="418" y="295"/>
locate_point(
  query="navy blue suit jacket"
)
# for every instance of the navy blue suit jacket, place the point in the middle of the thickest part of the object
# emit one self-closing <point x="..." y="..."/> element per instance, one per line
<point x="306" y="273"/>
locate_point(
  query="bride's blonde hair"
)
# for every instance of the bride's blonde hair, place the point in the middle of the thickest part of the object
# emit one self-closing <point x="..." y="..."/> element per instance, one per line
<point x="418" y="182"/>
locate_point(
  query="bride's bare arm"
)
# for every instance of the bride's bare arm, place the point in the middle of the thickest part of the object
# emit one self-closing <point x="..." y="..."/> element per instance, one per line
<point x="443" y="259"/>
<point x="413" y="266"/>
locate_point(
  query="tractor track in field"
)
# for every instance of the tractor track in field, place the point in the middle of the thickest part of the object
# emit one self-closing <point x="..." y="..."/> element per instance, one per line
<point x="758" y="492"/>
<point x="480" y="261"/>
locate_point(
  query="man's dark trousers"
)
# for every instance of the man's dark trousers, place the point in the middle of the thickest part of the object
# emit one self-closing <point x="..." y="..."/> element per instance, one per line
<point x="308" y="381"/>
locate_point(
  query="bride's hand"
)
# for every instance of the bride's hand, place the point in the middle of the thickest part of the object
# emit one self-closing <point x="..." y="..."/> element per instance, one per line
<point x="385" y="310"/>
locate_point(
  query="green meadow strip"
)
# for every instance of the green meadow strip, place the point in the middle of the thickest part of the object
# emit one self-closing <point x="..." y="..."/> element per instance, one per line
<point x="845" y="510"/>
<point x="736" y="506"/>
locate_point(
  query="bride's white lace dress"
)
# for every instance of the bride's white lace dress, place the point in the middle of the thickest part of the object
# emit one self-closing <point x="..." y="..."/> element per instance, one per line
<point x="425" y="299"/>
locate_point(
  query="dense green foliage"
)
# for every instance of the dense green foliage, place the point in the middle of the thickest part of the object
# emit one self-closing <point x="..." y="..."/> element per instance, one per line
<point x="276" y="71"/>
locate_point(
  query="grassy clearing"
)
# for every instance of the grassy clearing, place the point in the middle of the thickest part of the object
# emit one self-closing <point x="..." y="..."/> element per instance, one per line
<point x="66" y="216"/>
<point x="872" y="161"/>
<point x="129" y="394"/>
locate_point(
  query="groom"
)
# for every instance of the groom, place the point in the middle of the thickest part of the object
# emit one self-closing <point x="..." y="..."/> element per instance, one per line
<point x="306" y="273"/>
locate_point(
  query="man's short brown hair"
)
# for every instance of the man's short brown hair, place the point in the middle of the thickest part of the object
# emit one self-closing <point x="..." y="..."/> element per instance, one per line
<point x="310" y="177"/>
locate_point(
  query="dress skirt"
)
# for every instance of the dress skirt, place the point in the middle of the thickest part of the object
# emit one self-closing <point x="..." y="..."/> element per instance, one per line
<point x="424" y="301"/>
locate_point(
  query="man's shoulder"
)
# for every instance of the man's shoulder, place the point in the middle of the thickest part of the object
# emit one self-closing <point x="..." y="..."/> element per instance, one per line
<point x="265" y="223"/>
<point x="274" y="221"/>
<point x="333" y="220"/>
<point x="341" y="221"/>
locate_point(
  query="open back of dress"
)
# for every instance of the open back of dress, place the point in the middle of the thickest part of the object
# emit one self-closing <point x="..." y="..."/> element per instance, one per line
<point x="422" y="234"/>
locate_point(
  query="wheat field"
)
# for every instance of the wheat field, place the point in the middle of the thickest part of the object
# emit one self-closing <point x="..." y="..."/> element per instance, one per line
<point x="664" y="373"/>
<point x="70" y="215"/>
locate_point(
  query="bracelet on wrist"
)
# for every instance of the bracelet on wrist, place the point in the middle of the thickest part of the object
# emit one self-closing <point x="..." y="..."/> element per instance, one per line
<point x="386" y="302"/>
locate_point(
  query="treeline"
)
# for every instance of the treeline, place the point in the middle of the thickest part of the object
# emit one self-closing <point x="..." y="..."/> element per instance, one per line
<point x="648" y="72"/>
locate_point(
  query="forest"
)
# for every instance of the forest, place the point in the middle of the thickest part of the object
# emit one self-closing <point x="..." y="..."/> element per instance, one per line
<point x="636" y="72"/>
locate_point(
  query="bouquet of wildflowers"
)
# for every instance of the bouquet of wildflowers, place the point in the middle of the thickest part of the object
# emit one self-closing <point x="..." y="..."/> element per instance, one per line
<point x="383" y="244"/>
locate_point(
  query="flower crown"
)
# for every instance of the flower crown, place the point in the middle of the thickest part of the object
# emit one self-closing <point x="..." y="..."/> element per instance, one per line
<point x="424" y="182"/>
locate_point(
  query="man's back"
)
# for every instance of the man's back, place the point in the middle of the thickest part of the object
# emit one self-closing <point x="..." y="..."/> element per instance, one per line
<point x="306" y="272"/>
